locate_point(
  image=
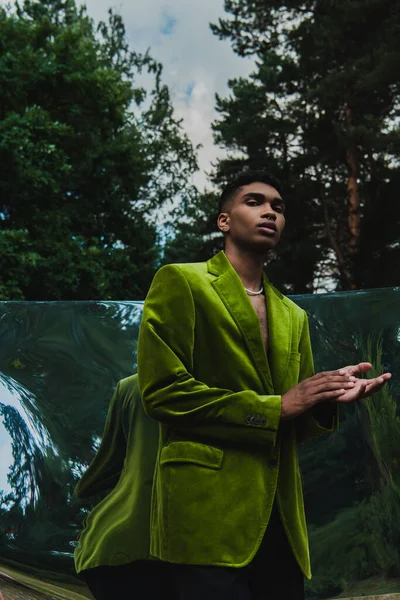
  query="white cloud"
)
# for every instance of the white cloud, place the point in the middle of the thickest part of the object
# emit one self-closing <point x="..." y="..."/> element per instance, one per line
<point x="194" y="60"/>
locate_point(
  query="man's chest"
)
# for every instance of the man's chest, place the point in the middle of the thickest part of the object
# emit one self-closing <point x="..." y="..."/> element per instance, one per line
<point x="260" y="308"/>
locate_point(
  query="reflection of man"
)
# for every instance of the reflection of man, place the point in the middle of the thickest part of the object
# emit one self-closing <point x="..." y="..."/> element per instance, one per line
<point x="114" y="544"/>
<point x="220" y="357"/>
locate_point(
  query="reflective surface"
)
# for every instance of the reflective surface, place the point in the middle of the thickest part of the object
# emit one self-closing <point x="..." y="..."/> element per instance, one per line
<point x="59" y="364"/>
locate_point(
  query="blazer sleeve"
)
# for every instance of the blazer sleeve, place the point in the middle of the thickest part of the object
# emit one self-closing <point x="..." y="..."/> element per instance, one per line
<point x="324" y="417"/>
<point x="104" y="471"/>
<point x="171" y="394"/>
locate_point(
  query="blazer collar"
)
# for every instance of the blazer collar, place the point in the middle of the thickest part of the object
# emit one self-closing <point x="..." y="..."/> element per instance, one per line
<point x="272" y="369"/>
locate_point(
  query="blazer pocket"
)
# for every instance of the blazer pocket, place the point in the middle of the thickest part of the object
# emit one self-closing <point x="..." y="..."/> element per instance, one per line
<point x="192" y="452"/>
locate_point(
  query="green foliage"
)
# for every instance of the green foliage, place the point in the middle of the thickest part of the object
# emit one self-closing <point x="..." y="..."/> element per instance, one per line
<point x="361" y="542"/>
<point x="196" y="237"/>
<point x="381" y="431"/>
<point x="352" y="490"/>
<point x="342" y="550"/>
<point x="384" y="424"/>
<point x="320" y="111"/>
<point x="383" y="518"/>
<point x="87" y="156"/>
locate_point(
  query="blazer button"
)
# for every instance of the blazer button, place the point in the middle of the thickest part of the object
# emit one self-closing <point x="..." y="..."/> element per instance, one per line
<point x="263" y="422"/>
<point x="248" y="420"/>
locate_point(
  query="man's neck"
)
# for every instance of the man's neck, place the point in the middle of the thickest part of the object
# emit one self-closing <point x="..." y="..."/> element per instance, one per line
<point x="248" y="265"/>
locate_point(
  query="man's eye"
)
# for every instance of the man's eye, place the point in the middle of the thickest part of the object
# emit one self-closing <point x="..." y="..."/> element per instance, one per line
<point x="278" y="208"/>
<point x="252" y="202"/>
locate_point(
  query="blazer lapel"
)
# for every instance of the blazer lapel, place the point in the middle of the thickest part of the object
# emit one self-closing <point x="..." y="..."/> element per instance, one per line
<point x="280" y="334"/>
<point x="230" y="289"/>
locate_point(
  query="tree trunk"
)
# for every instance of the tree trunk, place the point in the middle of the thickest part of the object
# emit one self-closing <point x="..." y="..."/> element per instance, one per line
<point x="353" y="189"/>
<point x="334" y="240"/>
<point x="346" y="277"/>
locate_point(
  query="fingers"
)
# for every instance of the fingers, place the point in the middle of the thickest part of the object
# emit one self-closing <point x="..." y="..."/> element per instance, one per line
<point x="330" y="380"/>
<point x="375" y="385"/>
<point x="363" y="367"/>
<point x="329" y="385"/>
<point x="333" y="395"/>
<point x="341" y="385"/>
<point x="356" y="393"/>
<point x="333" y="384"/>
<point x="343" y="394"/>
<point x="337" y="389"/>
<point x="365" y="388"/>
<point x="331" y="376"/>
<point x="335" y="380"/>
<point x="385" y="376"/>
<point x="373" y="389"/>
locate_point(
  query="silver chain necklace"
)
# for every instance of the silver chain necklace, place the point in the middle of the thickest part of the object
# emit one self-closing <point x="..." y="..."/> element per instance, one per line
<point x="252" y="293"/>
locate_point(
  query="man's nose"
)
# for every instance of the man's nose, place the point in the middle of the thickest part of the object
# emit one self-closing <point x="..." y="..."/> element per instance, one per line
<point x="268" y="213"/>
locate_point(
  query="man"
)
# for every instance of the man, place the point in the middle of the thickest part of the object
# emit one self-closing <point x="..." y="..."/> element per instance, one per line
<point x="113" y="550"/>
<point x="225" y="365"/>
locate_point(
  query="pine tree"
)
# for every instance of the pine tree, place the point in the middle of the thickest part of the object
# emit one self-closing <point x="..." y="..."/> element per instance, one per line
<point x="321" y="112"/>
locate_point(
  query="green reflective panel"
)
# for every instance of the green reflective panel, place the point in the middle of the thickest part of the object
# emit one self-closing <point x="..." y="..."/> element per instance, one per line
<point x="59" y="365"/>
<point x="352" y="476"/>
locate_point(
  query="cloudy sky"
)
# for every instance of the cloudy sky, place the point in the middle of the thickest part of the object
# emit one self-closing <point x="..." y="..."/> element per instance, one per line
<point x="196" y="64"/>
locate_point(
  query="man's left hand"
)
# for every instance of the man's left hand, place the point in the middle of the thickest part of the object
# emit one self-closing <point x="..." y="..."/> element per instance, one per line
<point x="363" y="387"/>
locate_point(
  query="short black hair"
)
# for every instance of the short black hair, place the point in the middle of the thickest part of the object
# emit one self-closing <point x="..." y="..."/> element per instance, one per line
<point x="245" y="178"/>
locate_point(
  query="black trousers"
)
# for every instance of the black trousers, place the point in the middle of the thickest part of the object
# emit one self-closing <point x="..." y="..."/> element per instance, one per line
<point x="273" y="574"/>
<point x="139" y="580"/>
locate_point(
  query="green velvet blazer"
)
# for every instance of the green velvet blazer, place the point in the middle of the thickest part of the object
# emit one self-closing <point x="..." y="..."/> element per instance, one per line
<point x="224" y="455"/>
<point x="116" y="531"/>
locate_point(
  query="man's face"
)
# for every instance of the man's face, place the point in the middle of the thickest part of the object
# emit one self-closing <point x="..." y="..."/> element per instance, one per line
<point x="254" y="218"/>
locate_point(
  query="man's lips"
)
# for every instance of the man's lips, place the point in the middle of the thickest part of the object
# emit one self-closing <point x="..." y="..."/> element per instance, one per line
<point x="268" y="226"/>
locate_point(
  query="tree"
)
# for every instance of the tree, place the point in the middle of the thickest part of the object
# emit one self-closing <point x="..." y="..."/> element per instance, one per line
<point x="321" y="111"/>
<point x="195" y="237"/>
<point x="87" y="156"/>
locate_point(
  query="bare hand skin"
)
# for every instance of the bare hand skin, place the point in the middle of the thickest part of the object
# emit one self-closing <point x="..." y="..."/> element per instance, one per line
<point x="329" y="385"/>
<point x="363" y="387"/>
<point x="334" y="386"/>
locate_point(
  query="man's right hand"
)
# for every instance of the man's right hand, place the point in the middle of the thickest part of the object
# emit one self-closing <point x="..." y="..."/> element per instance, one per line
<point x="329" y="385"/>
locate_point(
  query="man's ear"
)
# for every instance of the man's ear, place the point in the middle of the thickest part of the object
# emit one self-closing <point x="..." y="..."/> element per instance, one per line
<point x="223" y="222"/>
